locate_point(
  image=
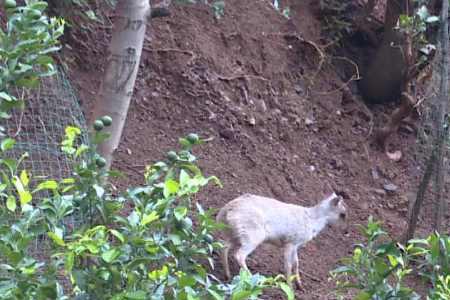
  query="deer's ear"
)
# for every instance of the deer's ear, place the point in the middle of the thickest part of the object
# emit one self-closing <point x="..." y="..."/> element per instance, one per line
<point x="335" y="201"/>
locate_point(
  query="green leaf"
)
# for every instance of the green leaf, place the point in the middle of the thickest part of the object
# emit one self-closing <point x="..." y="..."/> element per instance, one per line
<point x="56" y="239"/>
<point x="44" y="60"/>
<point x="180" y="212"/>
<point x="24" y="178"/>
<point x="39" y="5"/>
<point x="148" y="218"/>
<point x="69" y="261"/>
<point x="185" y="143"/>
<point x="99" y="190"/>
<point x="25" y="197"/>
<point x="6" y="96"/>
<point x="342" y="269"/>
<point x="241" y="295"/>
<point x="7" y="144"/>
<point x="111" y="255"/>
<point x="215" y="295"/>
<point x="287" y="290"/>
<point x="159" y="274"/>
<point x="184" y="178"/>
<point x="47" y="185"/>
<point x="11" y="203"/>
<point x="118" y="235"/>
<point x="170" y="188"/>
<point x="363" y="296"/>
<point x="137" y="295"/>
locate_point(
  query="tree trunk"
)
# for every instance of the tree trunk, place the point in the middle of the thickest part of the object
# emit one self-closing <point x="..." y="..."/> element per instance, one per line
<point x="436" y="160"/>
<point x="441" y="111"/>
<point x="382" y="81"/>
<point x="121" y="70"/>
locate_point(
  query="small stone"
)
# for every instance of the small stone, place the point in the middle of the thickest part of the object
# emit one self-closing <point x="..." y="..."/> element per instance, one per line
<point x="364" y="205"/>
<point x="336" y="163"/>
<point x="261" y="105"/>
<point x="312" y="168"/>
<point x="375" y="173"/>
<point x="252" y="121"/>
<point x="309" y="121"/>
<point x="390" y="187"/>
<point x="226" y="133"/>
<point x="339" y="113"/>
<point x="379" y="192"/>
<point x="298" y="89"/>
<point x="276" y="111"/>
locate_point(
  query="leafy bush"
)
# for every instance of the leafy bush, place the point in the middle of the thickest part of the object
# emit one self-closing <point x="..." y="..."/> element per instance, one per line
<point x="432" y="256"/>
<point x="153" y="242"/>
<point x="377" y="269"/>
<point x="84" y="9"/>
<point x="26" y="44"/>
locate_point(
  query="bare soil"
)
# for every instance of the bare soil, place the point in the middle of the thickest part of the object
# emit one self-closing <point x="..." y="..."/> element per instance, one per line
<point x="280" y="127"/>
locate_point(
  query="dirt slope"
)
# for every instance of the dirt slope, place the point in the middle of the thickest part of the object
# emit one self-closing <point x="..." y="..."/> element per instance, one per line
<point x="245" y="80"/>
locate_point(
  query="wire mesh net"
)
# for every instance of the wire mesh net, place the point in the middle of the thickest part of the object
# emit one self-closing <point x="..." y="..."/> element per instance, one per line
<point x="38" y="129"/>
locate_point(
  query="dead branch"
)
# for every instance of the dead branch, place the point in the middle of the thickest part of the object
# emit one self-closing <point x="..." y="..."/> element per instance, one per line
<point x="406" y="107"/>
<point x="241" y="76"/>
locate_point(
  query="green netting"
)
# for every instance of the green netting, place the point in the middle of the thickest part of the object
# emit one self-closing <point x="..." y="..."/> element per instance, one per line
<point x="39" y="129"/>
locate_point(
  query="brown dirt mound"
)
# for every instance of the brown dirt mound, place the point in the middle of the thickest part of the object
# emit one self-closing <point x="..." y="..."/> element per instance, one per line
<point x="246" y="80"/>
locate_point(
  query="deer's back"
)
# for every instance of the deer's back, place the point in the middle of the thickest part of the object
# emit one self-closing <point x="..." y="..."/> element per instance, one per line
<point x="278" y="221"/>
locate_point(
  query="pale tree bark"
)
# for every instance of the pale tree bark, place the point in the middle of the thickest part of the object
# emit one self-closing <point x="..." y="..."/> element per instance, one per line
<point x="441" y="122"/>
<point x="121" y="70"/>
<point x="436" y="161"/>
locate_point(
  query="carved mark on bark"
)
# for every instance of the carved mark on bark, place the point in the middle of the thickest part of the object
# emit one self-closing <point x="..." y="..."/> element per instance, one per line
<point x="122" y="67"/>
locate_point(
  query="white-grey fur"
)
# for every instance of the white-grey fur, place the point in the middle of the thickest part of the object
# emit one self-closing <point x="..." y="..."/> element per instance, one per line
<point x="252" y="220"/>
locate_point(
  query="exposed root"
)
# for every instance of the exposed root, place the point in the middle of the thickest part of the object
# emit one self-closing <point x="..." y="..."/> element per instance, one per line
<point x="242" y="76"/>
<point x="188" y="52"/>
<point x="406" y="107"/>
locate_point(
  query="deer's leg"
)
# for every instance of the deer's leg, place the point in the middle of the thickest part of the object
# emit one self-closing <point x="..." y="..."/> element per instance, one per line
<point x="289" y="260"/>
<point x="297" y="271"/>
<point x="242" y="253"/>
<point x="248" y="242"/>
<point x="224" y="255"/>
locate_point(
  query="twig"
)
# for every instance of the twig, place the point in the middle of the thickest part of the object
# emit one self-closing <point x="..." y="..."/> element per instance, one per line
<point x="306" y="274"/>
<point x="241" y="76"/>
<point x="344" y="85"/>
<point x="318" y="50"/>
<point x="188" y="52"/>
